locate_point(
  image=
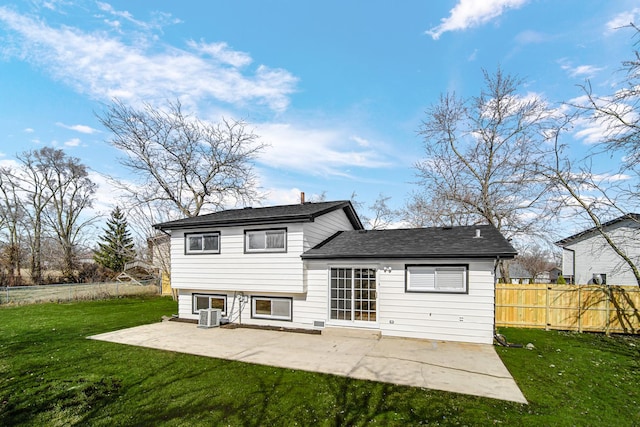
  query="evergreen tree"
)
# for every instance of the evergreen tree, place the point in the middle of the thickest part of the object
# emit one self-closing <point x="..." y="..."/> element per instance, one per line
<point x="116" y="245"/>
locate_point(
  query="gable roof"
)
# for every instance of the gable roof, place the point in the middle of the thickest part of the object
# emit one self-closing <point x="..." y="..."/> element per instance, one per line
<point x="626" y="217"/>
<point x="302" y="212"/>
<point x="432" y="242"/>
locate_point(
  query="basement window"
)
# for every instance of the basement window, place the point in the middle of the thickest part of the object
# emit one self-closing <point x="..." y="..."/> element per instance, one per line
<point x="271" y="308"/>
<point x="205" y="301"/>
<point x="436" y="278"/>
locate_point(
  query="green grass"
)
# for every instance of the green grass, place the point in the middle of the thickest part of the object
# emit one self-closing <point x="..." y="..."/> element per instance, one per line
<point x="51" y="375"/>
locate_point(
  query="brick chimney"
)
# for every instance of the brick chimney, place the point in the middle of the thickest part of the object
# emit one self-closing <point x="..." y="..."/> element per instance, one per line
<point x="302" y="197"/>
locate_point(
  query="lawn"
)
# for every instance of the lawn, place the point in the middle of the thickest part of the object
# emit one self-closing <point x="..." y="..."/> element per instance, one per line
<point x="51" y="375"/>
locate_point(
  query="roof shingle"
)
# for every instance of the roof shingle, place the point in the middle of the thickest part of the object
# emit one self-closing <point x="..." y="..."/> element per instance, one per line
<point x="432" y="242"/>
<point x="302" y="212"/>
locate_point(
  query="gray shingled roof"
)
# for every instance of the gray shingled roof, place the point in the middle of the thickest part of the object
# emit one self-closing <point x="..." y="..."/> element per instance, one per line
<point x="433" y="242"/>
<point x="302" y="212"/>
<point x="629" y="216"/>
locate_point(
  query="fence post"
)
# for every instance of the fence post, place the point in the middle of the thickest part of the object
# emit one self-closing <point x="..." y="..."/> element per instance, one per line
<point x="547" y="319"/>
<point x="579" y="309"/>
<point x="606" y="289"/>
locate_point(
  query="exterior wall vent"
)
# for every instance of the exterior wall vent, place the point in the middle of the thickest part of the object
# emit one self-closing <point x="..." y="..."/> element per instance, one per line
<point x="318" y="323"/>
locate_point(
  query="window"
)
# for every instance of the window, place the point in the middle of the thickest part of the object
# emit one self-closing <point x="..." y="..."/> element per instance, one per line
<point x="353" y="294"/>
<point x="436" y="278"/>
<point x="266" y="241"/>
<point x="271" y="308"/>
<point x="205" y="301"/>
<point x="202" y="243"/>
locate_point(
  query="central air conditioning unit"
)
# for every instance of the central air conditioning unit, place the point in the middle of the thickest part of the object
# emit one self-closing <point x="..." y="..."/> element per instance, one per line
<point x="209" y="318"/>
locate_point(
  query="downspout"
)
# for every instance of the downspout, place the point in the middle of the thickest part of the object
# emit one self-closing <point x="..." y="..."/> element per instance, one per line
<point x="496" y="262"/>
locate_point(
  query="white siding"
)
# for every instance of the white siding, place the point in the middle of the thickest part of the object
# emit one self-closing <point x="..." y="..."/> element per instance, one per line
<point x="594" y="256"/>
<point x="437" y="316"/>
<point x="324" y="227"/>
<point x="452" y="317"/>
<point x="234" y="270"/>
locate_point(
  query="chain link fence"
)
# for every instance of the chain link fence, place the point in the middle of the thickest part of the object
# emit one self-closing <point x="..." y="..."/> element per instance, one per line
<point x="76" y="291"/>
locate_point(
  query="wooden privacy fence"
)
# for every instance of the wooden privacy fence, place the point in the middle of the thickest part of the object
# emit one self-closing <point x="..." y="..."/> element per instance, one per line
<point x="596" y="308"/>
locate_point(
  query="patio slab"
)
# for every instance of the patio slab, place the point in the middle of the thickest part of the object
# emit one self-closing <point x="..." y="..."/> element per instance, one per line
<point x="473" y="369"/>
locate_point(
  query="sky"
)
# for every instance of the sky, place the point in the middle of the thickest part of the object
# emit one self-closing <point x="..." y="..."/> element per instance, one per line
<point x="336" y="89"/>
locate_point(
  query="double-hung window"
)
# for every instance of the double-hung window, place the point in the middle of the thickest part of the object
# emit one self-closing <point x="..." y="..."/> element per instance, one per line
<point x="437" y="278"/>
<point x="205" y="301"/>
<point x="202" y="243"/>
<point x="266" y="240"/>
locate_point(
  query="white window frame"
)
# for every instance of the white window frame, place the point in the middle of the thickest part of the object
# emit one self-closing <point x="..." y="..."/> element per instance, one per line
<point x="264" y="233"/>
<point x="255" y="315"/>
<point x="202" y="251"/>
<point x="438" y="286"/>
<point x="194" y="304"/>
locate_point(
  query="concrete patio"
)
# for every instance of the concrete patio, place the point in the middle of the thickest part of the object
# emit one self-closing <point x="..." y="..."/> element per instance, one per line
<point x="473" y="369"/>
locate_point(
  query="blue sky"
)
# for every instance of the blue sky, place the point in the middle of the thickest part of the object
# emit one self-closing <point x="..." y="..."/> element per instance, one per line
<point x="337" y="89"/>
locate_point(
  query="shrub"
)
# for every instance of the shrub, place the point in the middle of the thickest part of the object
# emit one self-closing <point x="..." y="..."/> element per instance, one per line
<point x="561" y="280"/>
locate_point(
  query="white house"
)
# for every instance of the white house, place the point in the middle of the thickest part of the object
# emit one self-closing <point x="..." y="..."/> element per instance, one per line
<point x="312" y="265"/>
<point x="587" y="257"/>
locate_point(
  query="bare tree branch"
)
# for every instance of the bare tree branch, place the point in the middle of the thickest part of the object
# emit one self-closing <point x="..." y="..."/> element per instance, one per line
<point x="182" y="161"/>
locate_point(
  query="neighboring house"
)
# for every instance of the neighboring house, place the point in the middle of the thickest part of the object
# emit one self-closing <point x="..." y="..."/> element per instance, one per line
<point x="159" y="249"/>
<point x="312" y="266"/>
<point x="587" y="258"/>
<point x="518" y="274"/>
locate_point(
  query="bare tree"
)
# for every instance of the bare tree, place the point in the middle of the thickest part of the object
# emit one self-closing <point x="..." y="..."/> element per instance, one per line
<point x="32" y="180"/>
<point x="618" y="114"/>
<point x="482" y="156"/>
<point x="182" y="161"/>
<point x="72" y="193"/>
<point x="592" y="195"/>
<point x="422" y="210"/>
<point x="383" y="216"/>
<point x="535" y="261"/>
<point x="11" y="214"/>
<point x="601" y="195"/>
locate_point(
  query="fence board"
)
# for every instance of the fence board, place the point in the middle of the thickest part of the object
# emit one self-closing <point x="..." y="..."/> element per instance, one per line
<point x="569" y="307"/>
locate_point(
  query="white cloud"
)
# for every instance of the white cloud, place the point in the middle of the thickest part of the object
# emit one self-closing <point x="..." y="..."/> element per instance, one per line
<point x="584" y="71"/>
<point x="79" y="128"/>
<point x="107" y="195"/>
<point x="621" y="20"/>
<point x="316" y="151"/>
<point x="160" y="19"/>
<point x="106" y="67"/>
<point x="600" y="127"/>
<point x="361" y="141"/>
<point x="28" y="130"/>
<point x="531" y="37"/>
<point x="472" y="13"/>
<point x="221" y="52"/>
<point x="73" y="142"/>
<point x="282" y="196"/>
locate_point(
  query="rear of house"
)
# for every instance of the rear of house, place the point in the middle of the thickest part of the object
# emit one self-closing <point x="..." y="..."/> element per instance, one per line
<point x="313" y="266"/>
